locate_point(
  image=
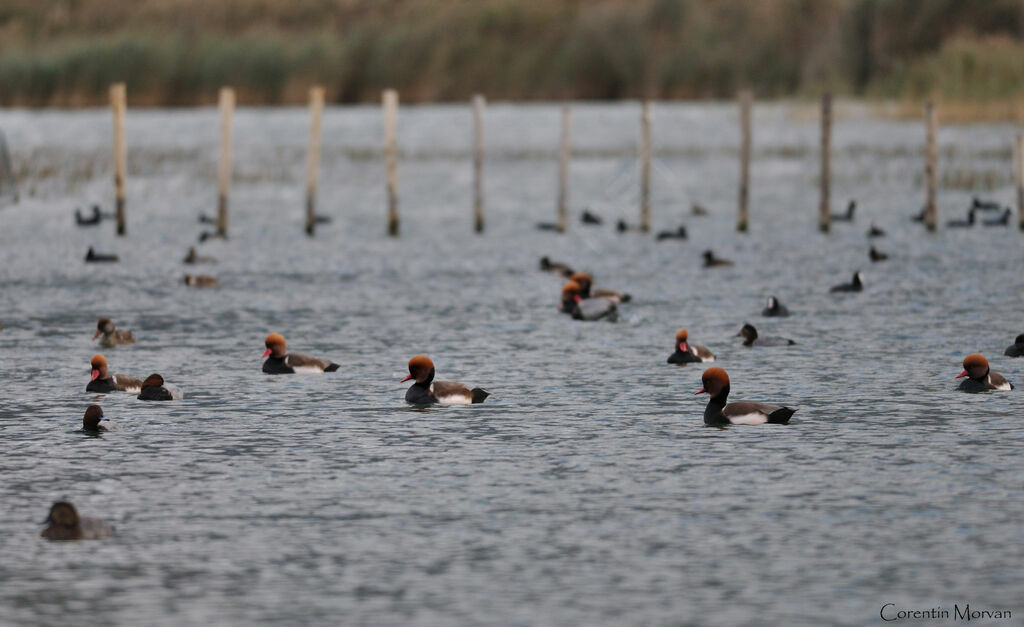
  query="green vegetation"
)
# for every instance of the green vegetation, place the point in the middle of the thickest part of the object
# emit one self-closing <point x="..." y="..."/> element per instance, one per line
<point x="178" y="52"/>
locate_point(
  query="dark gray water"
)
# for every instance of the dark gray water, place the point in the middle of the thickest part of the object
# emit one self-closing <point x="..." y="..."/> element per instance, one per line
<point x="586" y="490"/>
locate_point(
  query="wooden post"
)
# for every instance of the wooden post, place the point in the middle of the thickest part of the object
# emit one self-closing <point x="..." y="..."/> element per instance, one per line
<point x="316" y="110"/>
<point x="931" y="154"/>
<point x="391" y="157"/>
<point x="563" y="172"/>
<point x="824" y="207"/>
<point x="478" y="162"/>
<point x="119" y="102"/>
<point x="1020" y="180"/>
<point x="745" y="104"/>
<point x="645" y="167"/>
<point x="227" y="109"/>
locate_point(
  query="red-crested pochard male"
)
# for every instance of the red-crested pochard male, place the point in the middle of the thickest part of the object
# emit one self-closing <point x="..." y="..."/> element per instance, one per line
<point x="104" y="382"/>
<point x="64" y="523"/>
<point x="112" y="336"/>
<point x="426" y="391"/>
<point x="581" y="308"/>
<point x="586" y="281"/>
<point x="686" y="353"/>
<point x="154" y="388"/>
<point x="91" y="420"/>
<point x="1017" y="348"/>
<point x="750" y="338"/>
<point x="979" y="377"/>
<point x="719" y="412"/>
<point x="280" y="361"/>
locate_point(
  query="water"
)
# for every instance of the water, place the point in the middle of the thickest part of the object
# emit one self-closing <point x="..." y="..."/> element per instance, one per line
<point x="586" y="490"/>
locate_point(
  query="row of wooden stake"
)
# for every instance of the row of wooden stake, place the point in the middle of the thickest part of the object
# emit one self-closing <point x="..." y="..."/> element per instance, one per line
<point x="118" y="101"/>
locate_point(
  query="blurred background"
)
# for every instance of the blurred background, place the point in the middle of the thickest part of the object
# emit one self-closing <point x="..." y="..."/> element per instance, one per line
<point x="969" y="55"/>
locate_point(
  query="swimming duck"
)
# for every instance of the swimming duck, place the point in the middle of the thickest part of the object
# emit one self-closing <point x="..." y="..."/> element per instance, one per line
<point x="710" y="261"/>
<point x="111" y="335"/>
<point x="279" y="361"/>
<point x="1017" y="348"/>
<point x="553" y="266"/>
<point x="679" y="233"/>
<point x="91" y="420"/>
<point x="200" y="280"/>
<point x="590" y="218"/>
<point x="979" y="377"/>
<point x="876" y="255"/>
<point x="1003" y="220"/>
<point x="719" y="413"/>
<point x="92" y="220"/>
<point x="64" y="523"/>
<point x="774" y="309"/>
<point x="585" y="281"/>
<point x="698" y="210"/>
<point x="750" y="338"/>
<point x="103" y="382"/>
<point x="962" y="224"/>
<point x="596" y="308"/>
<point x="685" y="353"/>
<point x="194" y="257"/>
<point x="855" y="285"/>
<point x="425" y="390"/>
<point x="94" y="257"/>
<point x="875" y="231"/>
<point x="155" y="389"/>
<point x="845" y="217"/>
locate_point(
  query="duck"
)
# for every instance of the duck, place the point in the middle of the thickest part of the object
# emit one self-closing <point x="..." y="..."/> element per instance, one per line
<point x="279" y="361"/>
<point x="720" y="413"/>
<point x="64" y="523"/>
<point x="919" y="216"/>
<point x="426" y="391"/>
<point x="91" y="420"/>
<point x="205" y="219"/>
<point x="104" y="383"/>
<point x="1002" y="220"/>
<point x="111" y="335"/>
<point x="94" y="257"/>
<point x="845" y="217"/>
<point x="92" y="220"/>
<point x="774" y="309"/>
<point x="205" y="235"/>
<point x="855" y="285"/>
<point x="586" y="280"/>
<point x="876" y="255"/>
<point x="750" y="338"/>
<point x="590" y="218"/>
<point x="698" y="210"/>
<point x="710" y="261"/>
<point x="962" y="224"/>
<point x="679" y="233"/>
<point x="1017" y="348"/>
<point x="595" y="308"/>
<point x="554" y="266"/>
<point x="984" y="205"/>
<point x="155" y="389"/>
<point x="979" y="377"/>
<point x="194" y="257"/>
<point x="686" y="353"/>
<point x="200" y="280"/>
<point x="549" y="226"/>
<point x="875" y="231"/>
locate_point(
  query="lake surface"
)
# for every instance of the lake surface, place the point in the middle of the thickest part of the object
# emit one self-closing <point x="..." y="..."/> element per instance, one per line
<point x="586" y="490"/>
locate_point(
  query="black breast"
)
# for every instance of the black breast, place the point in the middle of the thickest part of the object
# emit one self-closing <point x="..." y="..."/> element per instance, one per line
<point x="970" y="385"/>
<point x="102" y="386"/>
<point x="679" y="357"/>
<point x="276" y="365"/>
<point x="419" y="394"/>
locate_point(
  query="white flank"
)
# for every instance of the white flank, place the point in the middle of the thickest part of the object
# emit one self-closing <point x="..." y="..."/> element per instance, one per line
<point x="1004" y="386"/>
<point x="707" y="359"/>
<point x="176" y="393"/>
<point x="756" y="418"/>
<point x="455" y="399"/>
<point x="133" y="389"/>
<point x="307" y="370"/>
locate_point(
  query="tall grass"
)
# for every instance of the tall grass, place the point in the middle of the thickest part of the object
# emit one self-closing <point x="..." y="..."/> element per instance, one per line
<point x="178" y="52"/>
